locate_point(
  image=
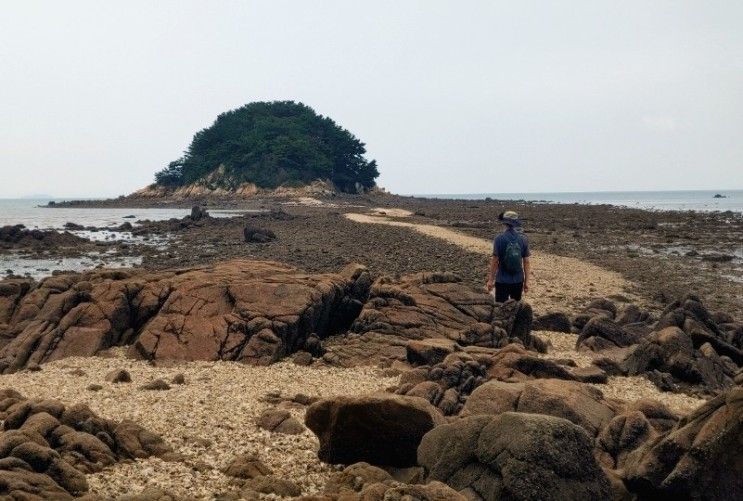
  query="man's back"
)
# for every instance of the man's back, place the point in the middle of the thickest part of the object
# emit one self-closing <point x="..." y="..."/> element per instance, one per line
<point x="500" y="248"/>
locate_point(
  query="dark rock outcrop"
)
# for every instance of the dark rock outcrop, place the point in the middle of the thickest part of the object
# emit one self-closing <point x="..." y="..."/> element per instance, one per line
<point x="553" y="321"/>
<point x="671" y="352"/>
<point x="637" y="424"/>
<point x="514" y="456"/>
<point x="378" y="429"/>
<point x="279" y="421"/>
<point x="602" y="333"/>
<point x="700" y="458"/>
<point x="364" y="482"/>
<point x="448" y="384"/>
<point x="18" y="236"/>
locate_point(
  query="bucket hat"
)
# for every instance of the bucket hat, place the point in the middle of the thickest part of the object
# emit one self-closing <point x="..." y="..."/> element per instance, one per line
<point x="509" y="217"/>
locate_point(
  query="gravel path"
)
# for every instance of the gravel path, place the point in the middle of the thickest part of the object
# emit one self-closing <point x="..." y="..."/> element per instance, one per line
<point x="557" y="281"/>
<point x="209" y="420"/>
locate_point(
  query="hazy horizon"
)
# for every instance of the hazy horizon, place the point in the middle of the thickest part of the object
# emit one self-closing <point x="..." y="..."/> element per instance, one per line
<point x="450" y="98"/>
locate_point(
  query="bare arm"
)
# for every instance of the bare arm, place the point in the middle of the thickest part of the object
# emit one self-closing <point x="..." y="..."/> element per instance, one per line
<point x="491" y="272"/>
<point x="527" y="269"/>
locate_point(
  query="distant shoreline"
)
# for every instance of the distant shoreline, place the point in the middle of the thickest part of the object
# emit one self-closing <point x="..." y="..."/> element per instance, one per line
<point x="681" y="200"/>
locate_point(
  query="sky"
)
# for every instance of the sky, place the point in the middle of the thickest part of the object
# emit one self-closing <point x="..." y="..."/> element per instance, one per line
<point x="449" y="96"/>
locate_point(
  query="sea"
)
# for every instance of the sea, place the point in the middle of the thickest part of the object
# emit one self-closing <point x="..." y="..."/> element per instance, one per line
<point x="32" y="213"/>
<point x="691" y="200"/>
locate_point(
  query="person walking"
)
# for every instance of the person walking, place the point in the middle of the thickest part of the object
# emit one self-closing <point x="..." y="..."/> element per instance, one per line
<point x="509" y="264"/>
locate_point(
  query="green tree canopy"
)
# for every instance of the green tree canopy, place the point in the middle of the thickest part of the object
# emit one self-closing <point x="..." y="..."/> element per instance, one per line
<point x="273" y="144"/>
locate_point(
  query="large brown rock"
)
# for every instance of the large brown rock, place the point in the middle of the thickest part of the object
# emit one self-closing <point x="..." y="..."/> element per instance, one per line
<point x="252" y="311"/>
<point x="577" y="402"/>
<point x="420" y="307"/>
<point x="377" y="429"/>
<point x="700" y="458"/>
<point x="514" y="456"/>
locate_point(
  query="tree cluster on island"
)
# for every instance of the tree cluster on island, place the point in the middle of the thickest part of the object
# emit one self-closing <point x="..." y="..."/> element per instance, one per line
<point x="273" y="144"/>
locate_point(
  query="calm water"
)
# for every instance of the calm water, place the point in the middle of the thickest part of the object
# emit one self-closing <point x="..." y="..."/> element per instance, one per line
<point x="702" y="200"/>
<point x="29" y="213"/>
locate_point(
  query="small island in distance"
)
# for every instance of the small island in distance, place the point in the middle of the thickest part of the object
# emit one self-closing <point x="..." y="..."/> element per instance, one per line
<point x="265" y="146"/>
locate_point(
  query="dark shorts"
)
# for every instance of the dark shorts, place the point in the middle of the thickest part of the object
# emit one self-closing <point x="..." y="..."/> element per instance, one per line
<point x="505" y="291"/>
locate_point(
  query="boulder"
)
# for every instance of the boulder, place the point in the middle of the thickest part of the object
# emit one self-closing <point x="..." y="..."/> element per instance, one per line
<point x="604" y="333"/>
<point x="156" y="385"/>
<point x="258" y="235"/>
<point x="632" y="314"/>
<point x="514" y="456"/>
<point x="148" y="494"/>
<point x="246" y="466"/>
<point x="377" y="429"/>
<point x="446" y="384"/>
<point x="119" y="376"/>
<point x="268" y="484"/>
<point x="432" y="491"/>
<point x="514" y="363"/>
<point x="493" y="398"/>
<point x="590" y="374"/>
<point x="699" y="458"/>
<point x="354" y="477"/>
<point x="577" y="402"/>
<point x="198" y="213"/>
<point x="602" y="306"/>
<point x="430" y="351"/>
<point x="516" y="319"/>
<point x="553" y="321"/>
<point x="280" y="421"/>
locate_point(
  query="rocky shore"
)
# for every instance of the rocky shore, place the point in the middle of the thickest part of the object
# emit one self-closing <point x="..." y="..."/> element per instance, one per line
<point x="345" y="349"/>
<point x="664" y="254"/>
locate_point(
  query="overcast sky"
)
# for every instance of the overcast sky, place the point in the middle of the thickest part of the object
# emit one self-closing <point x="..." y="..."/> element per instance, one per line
<point x="450" y="97"/>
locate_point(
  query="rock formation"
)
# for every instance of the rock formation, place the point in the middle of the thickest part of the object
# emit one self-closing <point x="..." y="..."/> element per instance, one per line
<point x="579" y="403"/>
<point x="514" y="456"/>
<point x="251" y="311"/>
<point x="18" y="236"/>
<point x="379" y="429"/>
<point x="46" y="447"/>
<point x="429" y="306"/>
<point x="700" y="458"/>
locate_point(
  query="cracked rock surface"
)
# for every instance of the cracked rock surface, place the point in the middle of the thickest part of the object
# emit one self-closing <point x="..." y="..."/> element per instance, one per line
<point x="251" y="311"/>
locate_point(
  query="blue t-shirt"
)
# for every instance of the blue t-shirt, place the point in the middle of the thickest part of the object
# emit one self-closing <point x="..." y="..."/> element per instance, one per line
<point x="499" y="250"/>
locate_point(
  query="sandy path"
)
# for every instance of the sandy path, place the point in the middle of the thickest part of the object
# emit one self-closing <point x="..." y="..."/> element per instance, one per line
<point x="209" y="420"/>
<point x="557" y="282"/>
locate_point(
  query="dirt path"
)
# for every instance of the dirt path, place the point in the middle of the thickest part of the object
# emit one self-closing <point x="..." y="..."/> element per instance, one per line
<point x="558" y="282"/>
